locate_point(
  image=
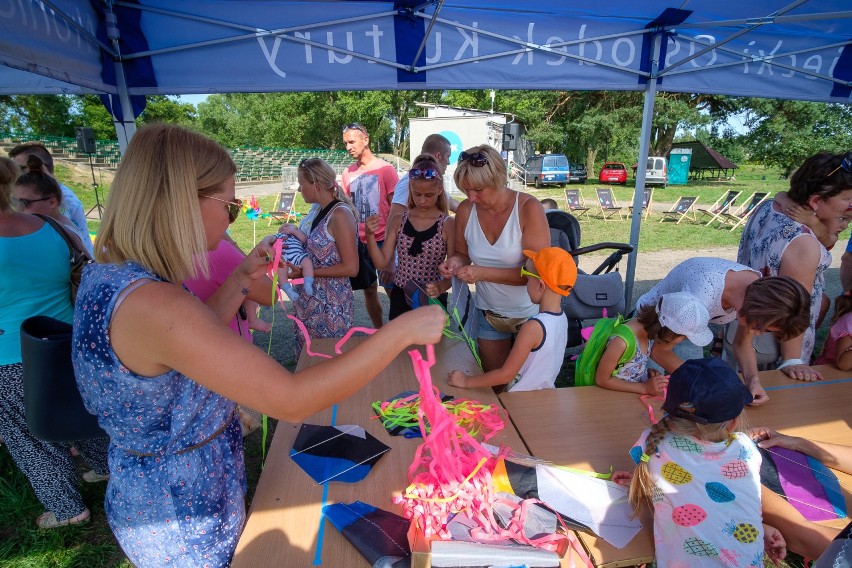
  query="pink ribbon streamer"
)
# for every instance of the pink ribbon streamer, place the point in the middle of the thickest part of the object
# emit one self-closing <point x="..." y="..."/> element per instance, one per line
<point x="645" y="400"/>
<point x="451" y="472"/>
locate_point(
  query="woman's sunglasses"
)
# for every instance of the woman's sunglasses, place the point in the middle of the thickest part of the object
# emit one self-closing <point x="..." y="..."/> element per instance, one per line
<point x="233" y="207"/>
<point x="476" y="160"/>
<point x="427" y="174"/>
<point x="25" y="203"/>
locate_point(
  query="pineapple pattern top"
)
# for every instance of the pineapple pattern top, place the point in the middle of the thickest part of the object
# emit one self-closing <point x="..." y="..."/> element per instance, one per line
<point x="706" y="501"/>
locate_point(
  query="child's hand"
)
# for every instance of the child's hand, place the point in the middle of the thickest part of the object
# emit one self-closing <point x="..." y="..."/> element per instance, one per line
<point x="371" y="224"/>
<point x="457" y="379"/>
<point x="801" y="214"/>
<point x="285" y="230"/>
<point x="431" y="290"/>
<point x="774" y="544"/>
<point x="657" y="383"/>
<point x="622" y="477"/>
<point x="435" y="289"/>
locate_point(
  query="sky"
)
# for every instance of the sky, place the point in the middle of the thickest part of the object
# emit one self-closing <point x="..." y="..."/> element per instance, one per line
<point x="193" y="99"/>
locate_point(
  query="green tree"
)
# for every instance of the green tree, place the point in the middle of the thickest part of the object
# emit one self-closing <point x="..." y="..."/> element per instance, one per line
<point x="37" y="114"/>
<point x="785" y="133"/>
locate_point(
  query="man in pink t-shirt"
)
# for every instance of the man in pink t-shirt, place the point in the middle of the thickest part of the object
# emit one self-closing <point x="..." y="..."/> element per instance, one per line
<point x="369" y="182"/>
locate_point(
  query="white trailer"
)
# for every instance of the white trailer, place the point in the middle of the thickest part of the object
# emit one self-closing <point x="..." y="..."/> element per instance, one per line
<point x="464" y="128"/>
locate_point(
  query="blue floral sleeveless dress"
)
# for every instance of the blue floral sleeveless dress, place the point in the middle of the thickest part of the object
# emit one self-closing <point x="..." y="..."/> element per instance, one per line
<point x="765" y="238"/>
<point x="330" y="312"/>
<point x="176" y="494"/>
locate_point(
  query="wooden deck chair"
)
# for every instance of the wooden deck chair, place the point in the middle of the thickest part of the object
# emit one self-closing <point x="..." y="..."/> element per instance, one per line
<point x="283" y="208"/>
<point x="647" y="197"/>
<point x="607" y="203"/>
<point x="722" y="205"/>
<point x="741" y="215"/>
<point x="576" y="203"/>
<point x="684" y="208"/>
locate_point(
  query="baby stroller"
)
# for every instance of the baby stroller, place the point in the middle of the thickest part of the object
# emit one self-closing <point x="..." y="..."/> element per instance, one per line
<point x="593" y="293"/>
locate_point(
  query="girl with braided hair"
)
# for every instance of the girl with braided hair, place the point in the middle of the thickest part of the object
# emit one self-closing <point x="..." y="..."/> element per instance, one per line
<point x="700" y="474"/>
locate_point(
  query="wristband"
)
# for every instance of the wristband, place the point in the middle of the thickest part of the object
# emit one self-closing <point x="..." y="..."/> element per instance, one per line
<point x="789" y="362"/>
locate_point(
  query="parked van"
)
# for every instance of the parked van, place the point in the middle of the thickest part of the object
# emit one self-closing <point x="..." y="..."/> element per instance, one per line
<point x="549" y="169"/>
<point x="656" y="172"/>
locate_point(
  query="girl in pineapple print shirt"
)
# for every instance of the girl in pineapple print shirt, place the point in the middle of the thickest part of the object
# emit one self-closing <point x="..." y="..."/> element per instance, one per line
<point x="700" y="477"/>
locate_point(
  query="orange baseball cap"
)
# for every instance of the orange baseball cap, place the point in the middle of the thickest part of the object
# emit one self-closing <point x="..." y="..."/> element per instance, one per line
<point x="555" y="267"/>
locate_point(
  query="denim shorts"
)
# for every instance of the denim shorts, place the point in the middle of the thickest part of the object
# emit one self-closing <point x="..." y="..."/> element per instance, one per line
<point x="488" y="332"/>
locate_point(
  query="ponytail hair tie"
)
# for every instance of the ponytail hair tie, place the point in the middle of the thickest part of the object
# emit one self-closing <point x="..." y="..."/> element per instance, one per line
<point x="847" y="293"/>
<point x="645" y="458"/>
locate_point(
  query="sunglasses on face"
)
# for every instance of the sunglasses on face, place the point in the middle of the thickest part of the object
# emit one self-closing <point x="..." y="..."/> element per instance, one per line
<point x="427" y="174"/>
<point x="355" y="126"/>
<point x="25" y="203"/>
<point x="233" y="207"/>
<point x="525" y="272"/>
<point x="477" y="159"/>
<point x="845" y="164"/>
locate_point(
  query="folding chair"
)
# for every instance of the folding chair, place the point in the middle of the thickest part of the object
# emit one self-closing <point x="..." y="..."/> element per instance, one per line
<point x="576" y="203"/>
<point x="607" y="203"/>
<point x="742" y="214"/>
<point x="647" y="196"/>
<point x="683" y="208"/>
<point x="283" y="208"/>
<point x="722" y="205"/>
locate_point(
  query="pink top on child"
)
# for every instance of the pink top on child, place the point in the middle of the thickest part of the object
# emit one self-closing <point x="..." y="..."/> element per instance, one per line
<point x="841" y="328"/>
<point x="222" y="262"/>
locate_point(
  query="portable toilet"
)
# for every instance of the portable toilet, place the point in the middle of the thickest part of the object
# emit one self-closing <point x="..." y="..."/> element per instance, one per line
<point x="679" y="160"/>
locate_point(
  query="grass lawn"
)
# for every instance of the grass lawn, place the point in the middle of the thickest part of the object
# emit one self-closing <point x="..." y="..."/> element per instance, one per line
<point x="22" y="545"/>
<point x="653" y="234"/>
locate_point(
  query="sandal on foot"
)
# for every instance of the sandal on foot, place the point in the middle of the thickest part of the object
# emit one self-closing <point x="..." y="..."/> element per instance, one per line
<point x="48" y="520"/>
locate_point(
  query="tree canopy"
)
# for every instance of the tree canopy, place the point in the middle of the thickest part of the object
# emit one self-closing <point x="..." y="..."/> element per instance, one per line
<point x="587" y="126"/>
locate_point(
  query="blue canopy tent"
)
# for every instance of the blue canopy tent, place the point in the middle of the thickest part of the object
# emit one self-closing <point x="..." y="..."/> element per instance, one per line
<point x="799" y="49"/>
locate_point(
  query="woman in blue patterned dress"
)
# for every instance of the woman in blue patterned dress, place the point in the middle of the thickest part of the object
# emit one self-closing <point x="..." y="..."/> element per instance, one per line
<point x="329" y="311"/>
<point x="776" y="245"/>
<point x="163" y="373"/>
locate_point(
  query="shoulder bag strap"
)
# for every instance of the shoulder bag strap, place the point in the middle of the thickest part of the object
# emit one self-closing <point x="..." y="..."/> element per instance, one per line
<point x="72" y="246"/>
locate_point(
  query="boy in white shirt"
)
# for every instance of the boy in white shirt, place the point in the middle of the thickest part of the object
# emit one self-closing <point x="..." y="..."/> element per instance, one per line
<point x="539" y="348"/>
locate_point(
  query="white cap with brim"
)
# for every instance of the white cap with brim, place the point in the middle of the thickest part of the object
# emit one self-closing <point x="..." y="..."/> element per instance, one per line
<point x="682" y="313"/>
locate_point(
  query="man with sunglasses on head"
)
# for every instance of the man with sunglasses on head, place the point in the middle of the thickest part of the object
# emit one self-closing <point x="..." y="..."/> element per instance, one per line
<point x="71" y="206"/>
<point x="439" y="148"/>
<point x="370" y="183"/>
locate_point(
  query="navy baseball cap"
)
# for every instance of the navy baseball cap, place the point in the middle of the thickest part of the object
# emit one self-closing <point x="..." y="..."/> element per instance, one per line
<point x="706" y="391"/>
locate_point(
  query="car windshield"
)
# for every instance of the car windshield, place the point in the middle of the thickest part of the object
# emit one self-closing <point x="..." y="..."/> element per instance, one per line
<point x="615" y="166"/>
<point x="655" y="164"/>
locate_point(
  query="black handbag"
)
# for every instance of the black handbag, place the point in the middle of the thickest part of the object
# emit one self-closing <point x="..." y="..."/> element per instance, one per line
<point x="366" y="272"/>
<point x="53" y="406"/>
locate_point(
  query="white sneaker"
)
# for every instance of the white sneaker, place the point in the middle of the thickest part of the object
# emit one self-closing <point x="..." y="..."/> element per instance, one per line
<point x="92" y="476"/>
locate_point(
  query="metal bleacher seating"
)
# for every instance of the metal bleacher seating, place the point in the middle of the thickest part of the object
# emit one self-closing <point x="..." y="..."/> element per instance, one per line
<point x="254" y="163"/>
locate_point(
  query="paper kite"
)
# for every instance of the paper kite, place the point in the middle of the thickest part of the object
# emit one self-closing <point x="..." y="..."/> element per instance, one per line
<point x="378" y="535"/>
<point x="336" y="453"/>
<point x="806" y="483"/>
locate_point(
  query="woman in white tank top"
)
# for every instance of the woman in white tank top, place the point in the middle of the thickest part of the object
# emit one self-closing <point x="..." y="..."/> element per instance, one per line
<point x="493" y="226"/>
